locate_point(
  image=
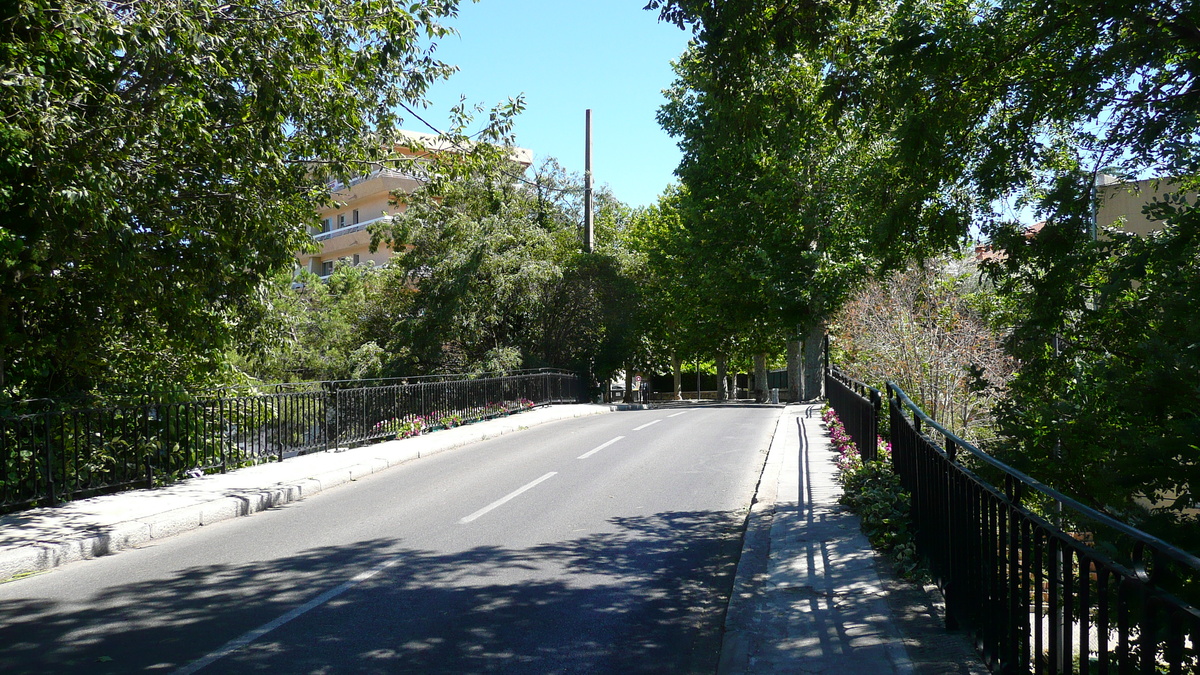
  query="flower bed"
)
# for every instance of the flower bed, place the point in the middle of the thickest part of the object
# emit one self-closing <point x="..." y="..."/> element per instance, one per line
<point x="415" y="426"/>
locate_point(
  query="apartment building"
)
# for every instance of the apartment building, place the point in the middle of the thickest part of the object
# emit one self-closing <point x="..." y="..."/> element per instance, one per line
<point x="343" y="231"/>
<point x="1124" y="200"/>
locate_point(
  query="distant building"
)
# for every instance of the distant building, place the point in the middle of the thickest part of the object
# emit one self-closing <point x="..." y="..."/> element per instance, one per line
<point x="986" y="253"/>
<point x="1119" y="205"/>
<point x="362" y="202"/>
<point x="1118" y="199"/>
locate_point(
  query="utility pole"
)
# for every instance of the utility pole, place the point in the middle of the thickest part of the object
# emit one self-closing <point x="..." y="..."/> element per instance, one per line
<point x="589" y="243"/>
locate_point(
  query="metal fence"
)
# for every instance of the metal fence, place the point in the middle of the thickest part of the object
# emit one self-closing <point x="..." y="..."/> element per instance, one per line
<point x="857" y="405"/>
<point x="1044" y="583"/>
<point x="51" y="452"/>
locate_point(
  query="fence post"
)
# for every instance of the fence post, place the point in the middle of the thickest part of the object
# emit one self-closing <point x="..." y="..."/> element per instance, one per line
<point x="891" y="423"/>
<point x="150" y="453"/>
<point x="224" y="445"/>
<point x="289" y="412"/>
<point x="49" y="462"/>
<point x="876" y="406"/>
<point x="331" y="415"/>
<point x="826" y="364"/>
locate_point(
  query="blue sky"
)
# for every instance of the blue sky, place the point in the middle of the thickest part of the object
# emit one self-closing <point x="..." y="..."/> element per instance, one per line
<point x="567" y="56"/>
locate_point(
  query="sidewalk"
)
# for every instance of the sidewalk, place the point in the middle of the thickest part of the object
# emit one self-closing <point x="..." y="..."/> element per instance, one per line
<point x="810" y="596"/>
<point x="41" y="539"/>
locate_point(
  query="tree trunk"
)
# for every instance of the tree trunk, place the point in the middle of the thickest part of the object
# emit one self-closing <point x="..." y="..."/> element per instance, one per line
<point x="760" y="378"/>
<point x="628" y="385"/>
<point x="677" y="370"/>
<point x="814" y="377"/>
<point x="722" y="384"/>
<point x="795" y="379"/>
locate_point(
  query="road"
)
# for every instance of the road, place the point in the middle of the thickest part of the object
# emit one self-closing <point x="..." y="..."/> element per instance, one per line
<point x="604" y="544"/>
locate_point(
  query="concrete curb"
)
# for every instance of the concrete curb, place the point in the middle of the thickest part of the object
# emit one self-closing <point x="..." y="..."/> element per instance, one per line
<point x="41" y="556"/>
<point x="752" y="563"/>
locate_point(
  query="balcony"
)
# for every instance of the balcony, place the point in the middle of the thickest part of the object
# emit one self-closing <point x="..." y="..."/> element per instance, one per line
<point x="339" y="186"/>
<point x="349" y="229"/>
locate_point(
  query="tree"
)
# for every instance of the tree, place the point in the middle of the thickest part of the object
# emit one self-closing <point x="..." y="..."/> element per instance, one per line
<point x="308" y="329"/>
<point x="1025" y="102"/>
<point x="498" y="277"/>
<point x="782" y="200"/>
<point x="936" y="331"/>
<point x="979" y="106"/>
<point x="1105" y="403"/>
<point x="161" y="159"/>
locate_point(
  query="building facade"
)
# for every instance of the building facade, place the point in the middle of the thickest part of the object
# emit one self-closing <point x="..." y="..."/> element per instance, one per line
<point x="1120" y="203"/>
<point x="343" y="232"/>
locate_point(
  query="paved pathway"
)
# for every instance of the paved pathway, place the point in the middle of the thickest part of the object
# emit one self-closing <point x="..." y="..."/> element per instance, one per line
<point x="809" y="597"/>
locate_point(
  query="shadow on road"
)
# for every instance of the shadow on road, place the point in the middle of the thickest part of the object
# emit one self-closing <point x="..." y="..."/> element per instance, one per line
<point x="648" y="595"/>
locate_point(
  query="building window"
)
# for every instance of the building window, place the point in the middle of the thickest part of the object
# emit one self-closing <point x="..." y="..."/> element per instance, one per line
<point x="356" y="255"/>
<point x="355" y="216"/>
<point x="341" y="220"/>
<point x="327" y="224"/>
<point x="327" y="268"/>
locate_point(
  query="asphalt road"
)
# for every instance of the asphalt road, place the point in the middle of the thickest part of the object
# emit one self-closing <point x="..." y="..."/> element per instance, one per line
<point x="604" y="544"/>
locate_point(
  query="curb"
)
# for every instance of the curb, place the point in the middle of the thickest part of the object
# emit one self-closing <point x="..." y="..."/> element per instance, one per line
<point x="752" y="564"/>
<point x="43" y="556"/>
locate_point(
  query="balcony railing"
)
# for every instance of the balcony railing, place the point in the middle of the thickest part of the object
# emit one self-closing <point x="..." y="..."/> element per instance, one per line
<point x="349" y="229"/>
<point x="337" y="185"/>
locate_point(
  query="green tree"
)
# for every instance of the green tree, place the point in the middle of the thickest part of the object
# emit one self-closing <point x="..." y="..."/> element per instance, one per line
<point x="161" y="159"/>
<point x="1025" y="103"/>
<point x="499" y="281"/>
<point x="979" y="107"/>
<point x="308" y="329"/>
<point x="677" y="320"/>
<point x="782" y="198"/>
<point x="1105" y="403"/>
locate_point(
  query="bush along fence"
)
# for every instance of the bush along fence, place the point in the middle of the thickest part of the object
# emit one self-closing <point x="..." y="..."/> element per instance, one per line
<point x="1043" y="583"/>
<point x="857" y="406"/>
<point x="50" y="452"/>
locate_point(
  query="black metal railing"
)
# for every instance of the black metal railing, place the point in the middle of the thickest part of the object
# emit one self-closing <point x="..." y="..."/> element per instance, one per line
<point x="858" y="405"/>
<point x="52" y="452"/>
<point x="777" y="379"/>
<point x="1044" y="583"/>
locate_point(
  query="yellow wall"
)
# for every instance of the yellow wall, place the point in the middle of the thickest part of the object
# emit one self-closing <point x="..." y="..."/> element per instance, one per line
<point x="369" y="197"/>
<point x="1127" y="199"/>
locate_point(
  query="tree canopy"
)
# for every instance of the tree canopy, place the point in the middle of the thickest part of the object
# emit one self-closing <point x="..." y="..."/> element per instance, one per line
<point x="958" y="118"/>
<point x="787" y="201"/>
<point x="159" y="159"/>
<point x="498" y="279"/>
